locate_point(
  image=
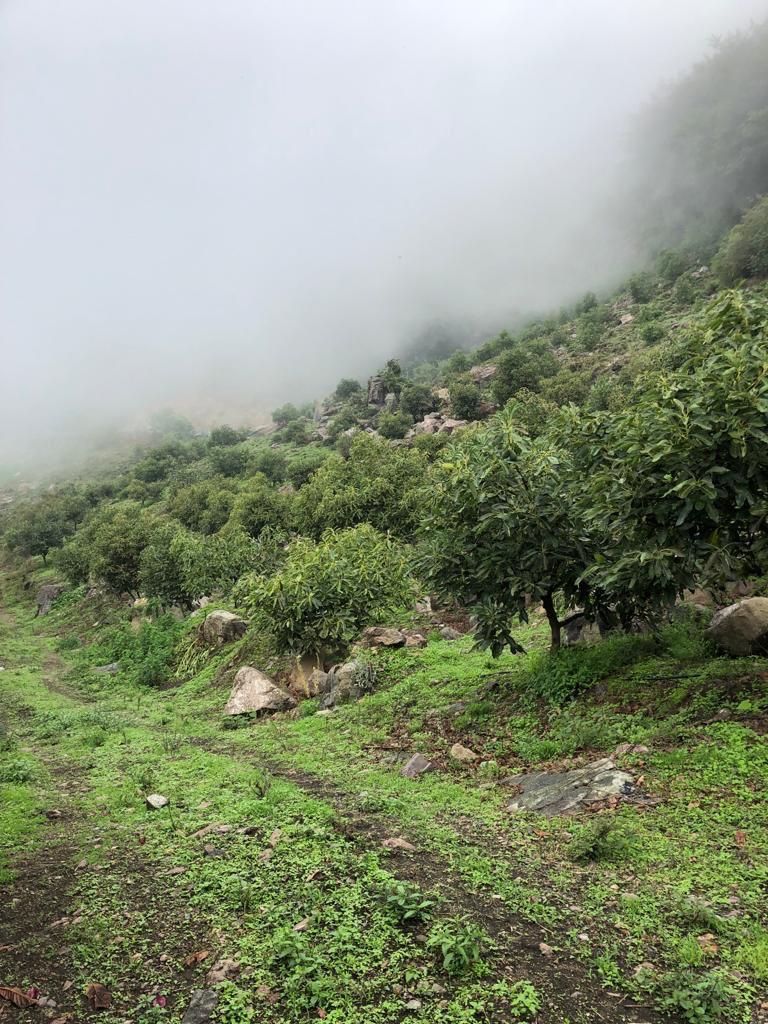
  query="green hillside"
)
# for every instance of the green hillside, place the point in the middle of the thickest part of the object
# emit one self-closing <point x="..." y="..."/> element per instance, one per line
<point x="448" y="587"/>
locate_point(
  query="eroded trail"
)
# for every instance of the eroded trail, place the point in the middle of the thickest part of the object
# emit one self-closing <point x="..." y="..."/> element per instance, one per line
<point x="272" y="873"/>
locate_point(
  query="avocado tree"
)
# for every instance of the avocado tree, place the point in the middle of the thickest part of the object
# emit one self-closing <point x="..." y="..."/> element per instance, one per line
<point x="677" y="481"/>
<point x="499" y="531"/>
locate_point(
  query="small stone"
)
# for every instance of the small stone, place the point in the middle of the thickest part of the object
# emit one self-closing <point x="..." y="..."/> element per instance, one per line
<point x="222" y="970"/>
<point x="583" y="937"/>
<point x="212" y="851"/>
<point x="302" y="925"/>
<point x="416" y="640"/>
<point x="545" y="950"/>
<point x="201" y="1007"/>
<point x="156" y="801"/>
<point x="417" y="765"/>
<point x="413" y="1004"/>
<point x="462" y="753"/>
<point x="396" y="843"/>
<point x="324" y="712"/>
<point x="449" y="633"/>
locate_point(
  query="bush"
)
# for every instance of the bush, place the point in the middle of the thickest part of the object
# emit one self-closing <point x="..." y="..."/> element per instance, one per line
<point x="286" y="414"/>
<point x="394" y="425"/>
<point x="225" y="436"/>
<point x="417" y="400"/>
<point x="259" y="505"/>
<point x="378" y="484"/>
<point x="523" y="366"/>
<point x="744" y="253"/>
<point x="465" y="400"/>
<point x="303" y="463"/>
<point x="325" y="593"/>
<point x="346" y="388"/>
<point x="642" y="287"/>
<point x="145" y="656"/>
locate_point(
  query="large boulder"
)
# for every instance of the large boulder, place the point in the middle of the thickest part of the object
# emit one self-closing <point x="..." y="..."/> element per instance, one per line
<point x="46" y="595"/>
<point x="254" y="692"/>
<point x="222" y="627"/>
<point x="377" y="391"/>
<point x="742" y="628"/>
<point x="552" y="793"/>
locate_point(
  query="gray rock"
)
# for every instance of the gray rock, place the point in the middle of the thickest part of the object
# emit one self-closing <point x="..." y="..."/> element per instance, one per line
<point x="343" y="686"/>
<point x="108" y="670"/>
<point x="222" y="627"/>
<point x="318" y="682"/>
<point x="451" y="426"/>
<point x="377" y="391"/>
<point x="382" y="636"/>
<point x="156" y="801"/>
<point x="415" y="640"/>
<point x="46" y="595"/>
<point x="580" y="631"/>
<point x="201" y="1007"/>
<point x="483" y="375"/>
<point x="449" y="633"/>
<point x="254" y="692"/>
<point x="416" y="765"/>
<point x="742" y="628"/>
<point x="551" y="793"/>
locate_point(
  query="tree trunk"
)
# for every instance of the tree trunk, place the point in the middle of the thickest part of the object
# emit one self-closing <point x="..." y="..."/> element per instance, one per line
<point x="554" y="623"/>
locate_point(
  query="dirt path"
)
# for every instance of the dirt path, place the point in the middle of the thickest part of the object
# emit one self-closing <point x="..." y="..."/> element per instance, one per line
<point x="80" y="870"/>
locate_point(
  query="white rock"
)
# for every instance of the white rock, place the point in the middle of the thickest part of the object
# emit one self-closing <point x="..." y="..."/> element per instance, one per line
<point x="253" y="691"/>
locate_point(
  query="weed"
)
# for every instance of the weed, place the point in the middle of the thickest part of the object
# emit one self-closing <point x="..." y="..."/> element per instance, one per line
<point x="524" y="1001"/>
<point x="459" y="944"/>
<point x="698" y="998"/>
<point x="18" y="770"/>
<point x="600" y="839"/>
<point x="408" y="902"/>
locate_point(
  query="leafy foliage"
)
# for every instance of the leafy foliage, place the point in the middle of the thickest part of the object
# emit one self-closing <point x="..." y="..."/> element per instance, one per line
<point x="377" y="484"/>
<point x="324" y="593"/>
<point x="744" y="253"/>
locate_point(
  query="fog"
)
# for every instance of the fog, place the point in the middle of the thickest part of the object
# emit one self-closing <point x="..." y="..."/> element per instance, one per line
<point x="225" y="206"/>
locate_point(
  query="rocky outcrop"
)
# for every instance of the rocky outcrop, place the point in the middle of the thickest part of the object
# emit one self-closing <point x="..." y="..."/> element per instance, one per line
<point x="46" y="595"/>
<point x="377" y="391"/>
<point x="742" y="628"/>
<point x="551" y="793"/>
<point x="254" y="692"/>
<point x="222" y="627"/>
<point x="483" y="376"/>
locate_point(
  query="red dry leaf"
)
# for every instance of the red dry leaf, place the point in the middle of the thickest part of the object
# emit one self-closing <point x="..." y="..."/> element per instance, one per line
<point x="16" y="996"/>
<point x="98" y="996"/>
<point x="741" y="838"/>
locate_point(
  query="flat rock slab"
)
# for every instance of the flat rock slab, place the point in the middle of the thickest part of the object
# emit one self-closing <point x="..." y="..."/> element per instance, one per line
<point x="551" y="793"/>
<point x="201" y="1007"/>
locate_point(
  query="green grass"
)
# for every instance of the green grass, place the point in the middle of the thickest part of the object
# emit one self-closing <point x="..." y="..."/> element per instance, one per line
<point x="691" y="864"/>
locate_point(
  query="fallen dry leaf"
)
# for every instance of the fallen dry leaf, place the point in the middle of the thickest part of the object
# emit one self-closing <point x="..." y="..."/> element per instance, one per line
<point x="16" y="996"/>
<point x="302" y="925"/>
<point x="269" y="995"/>
<point x="266" y="855"/>
<point x="740" y="838"/>
<point x="98" y="996"/>
<point x="195" y="958"/>
<point x="222" y="970"/>
<point x="67" y="986"/>
<point x="274" y="838"/>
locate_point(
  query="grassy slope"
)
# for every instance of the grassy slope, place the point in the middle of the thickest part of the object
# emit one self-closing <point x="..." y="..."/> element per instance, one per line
<point x="691" y="865"/>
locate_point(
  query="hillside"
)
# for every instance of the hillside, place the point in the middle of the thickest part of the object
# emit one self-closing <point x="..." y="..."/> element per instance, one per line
<point x="443" y="699"/>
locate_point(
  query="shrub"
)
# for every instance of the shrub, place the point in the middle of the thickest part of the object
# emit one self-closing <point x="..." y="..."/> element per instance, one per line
<point x="641" y="287"/>
<point x="652" y="332"/>
<point x="378" y="484"/>
<point x="671" y="264"/>
<point x="259" y="505"/>
<point x="416" y="400"/>
<point x="285" y="414"/>
<point x="303" y="463"/>
<point x="408" y="902"/>
<point x="523" y="366"/>
<point x="229" y="460"/>
<point x="325" y="593"/>
<point x="346" y="388"/>
<point x="394" y="425"/>
<point x="744" y="253"/>
<point x="465" y="400"/>
<point x="225" y="436"/>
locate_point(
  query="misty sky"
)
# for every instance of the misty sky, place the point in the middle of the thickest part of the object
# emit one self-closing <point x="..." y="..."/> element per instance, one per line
<point x="242" y="200"/>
